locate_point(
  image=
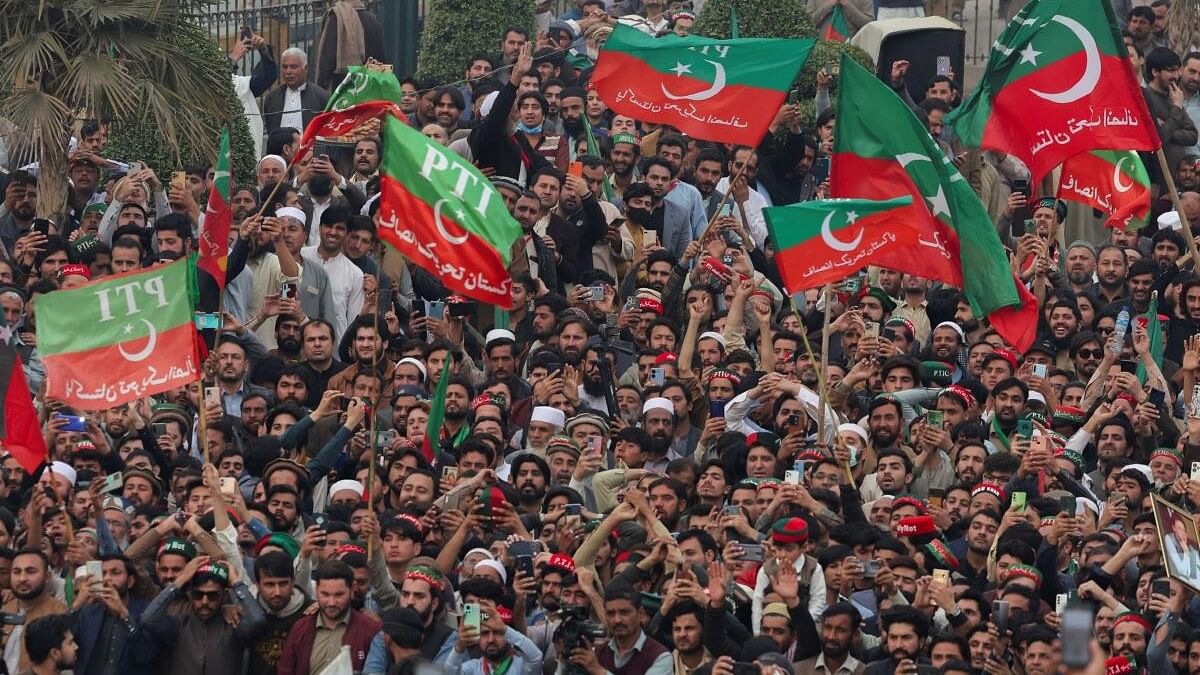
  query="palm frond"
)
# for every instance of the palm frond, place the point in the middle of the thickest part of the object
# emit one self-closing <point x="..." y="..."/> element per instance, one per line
<point x="99" y="84"/>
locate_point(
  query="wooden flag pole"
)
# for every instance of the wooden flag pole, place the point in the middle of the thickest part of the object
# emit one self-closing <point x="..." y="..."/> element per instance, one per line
<point x="1187" y="227"/>
<point x="374" y="417"/>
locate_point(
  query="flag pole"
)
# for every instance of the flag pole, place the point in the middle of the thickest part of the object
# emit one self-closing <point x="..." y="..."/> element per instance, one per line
<point x="1187" y="227"/>
<point x="725" y="199"/>
<point x="826" y="292"/>
<point x="373" y="412"/>
<point x="821" y="384"/>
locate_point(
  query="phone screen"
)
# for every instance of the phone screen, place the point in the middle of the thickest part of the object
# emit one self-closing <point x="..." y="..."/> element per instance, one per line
<point x="1076" y="635"/>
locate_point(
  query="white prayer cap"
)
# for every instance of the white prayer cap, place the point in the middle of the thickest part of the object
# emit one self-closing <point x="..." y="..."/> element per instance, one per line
<point x="352" y="485"/>
<point x="713" y="335"/>
<point x="1170" y="220"/>
<point x="493" y="564"/>
<point x="854" y="429"/>
<point x="658" y="403"/>
<point x="485" y="106"/>
<point x="65" y="470"/>
<point x="292" y="212"/>
<point x="552" y="416"/>
<point x="499" y="334"/>
<point x="1037" y="396"/>
<point x="415" y="362"/>
<point x="273" y="158"/>
<point x="954" y="327"/>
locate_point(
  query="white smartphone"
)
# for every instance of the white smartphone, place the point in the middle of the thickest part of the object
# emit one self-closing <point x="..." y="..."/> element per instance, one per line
<point x="1195" y="471"/>
<point x="1060" y="603"/>
<point x="791" y="476"/>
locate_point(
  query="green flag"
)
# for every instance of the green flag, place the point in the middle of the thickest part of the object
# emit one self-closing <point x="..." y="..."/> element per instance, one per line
<point x="1152" y="320"/>
<point x="361" y="84"/>
<point x="437" y="413"/>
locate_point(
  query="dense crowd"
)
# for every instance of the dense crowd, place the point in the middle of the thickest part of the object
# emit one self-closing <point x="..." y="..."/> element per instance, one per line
<point x="658" y="461"/>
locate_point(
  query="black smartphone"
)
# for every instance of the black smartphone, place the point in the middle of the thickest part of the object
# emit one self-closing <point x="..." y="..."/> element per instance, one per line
<point x="520" y="548"/>
<point x="1066" y="505"/>
<point x="716" y="408"/>
<point x="525" y="564"/>
<point x="1000" y="615"/>
<point x="1076" y="634"/>
<point x="247" y="33"/>
<point x="820" y="169"/>
<point x="1158" y="398"/>
<point x="1017" y="224"/>
<point x="460" y="309"/>
<point x="1128" y="366"/>
<point x="1161" y="587"/>
<point x="41" y="226"/>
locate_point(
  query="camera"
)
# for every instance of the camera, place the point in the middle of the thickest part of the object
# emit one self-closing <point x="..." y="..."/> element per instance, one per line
<point x="577" y="630"/>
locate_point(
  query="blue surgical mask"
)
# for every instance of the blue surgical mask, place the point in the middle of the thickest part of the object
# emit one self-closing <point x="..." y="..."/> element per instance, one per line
<point x="521" y="126"/>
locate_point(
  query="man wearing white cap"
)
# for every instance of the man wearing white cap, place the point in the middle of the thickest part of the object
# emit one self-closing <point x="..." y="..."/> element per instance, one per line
<point x="64" y="479"/>
<point x="346" y="492"/>
<point x="271" y="169"/>
<point x="544" y="422"/>
<point x="710" y="347"/>
<point x="658" y="420"/>
<point x="314" y="292"/>
<point x="269" y="271"/>
<point x="500" y="359"/>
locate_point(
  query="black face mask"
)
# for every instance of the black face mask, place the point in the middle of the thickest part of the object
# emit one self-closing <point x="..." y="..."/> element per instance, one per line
<point x="638" y="216"/>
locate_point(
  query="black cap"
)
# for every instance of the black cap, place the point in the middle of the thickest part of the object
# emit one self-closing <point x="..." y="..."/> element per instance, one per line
<point x="1044" y="346"/>
<point x="404" y="626"/>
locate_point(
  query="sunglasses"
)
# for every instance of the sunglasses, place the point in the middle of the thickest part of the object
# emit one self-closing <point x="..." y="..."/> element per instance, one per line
<point x="207" y="595"/>
<point x="1091" y="353"/>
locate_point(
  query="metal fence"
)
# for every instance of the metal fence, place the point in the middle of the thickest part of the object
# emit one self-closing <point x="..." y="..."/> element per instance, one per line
<point x="981" y="20"/>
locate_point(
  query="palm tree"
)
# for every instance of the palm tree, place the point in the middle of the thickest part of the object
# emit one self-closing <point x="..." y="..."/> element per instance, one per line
<point x="118" y="61"/>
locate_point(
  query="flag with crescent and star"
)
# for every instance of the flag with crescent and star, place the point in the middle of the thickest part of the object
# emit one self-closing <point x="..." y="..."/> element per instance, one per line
<point x="716" y="90"/>
<point x="882" y="151"/>
<point x="362" y="84"/>
<point x="820" y="242"/>
<point x="1114" y="182"/>
<point x="335" y="123"/>
<point x="120" y="338"/>
<point x="1058" y="82"/>
<point x="213" y="242"/>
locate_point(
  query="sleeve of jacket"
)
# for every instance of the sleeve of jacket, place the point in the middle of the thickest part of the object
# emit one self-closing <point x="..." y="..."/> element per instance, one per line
<point x="714" y="636"/>
<point x="264" y="74"/>
<point x="819" y="11"/>
<point x="529" y="651"/>
<point x="808" y="641"/>
<point x="287" y="658"/>
<point x="253" y="616"/>
<point x="1182" y="130"/>
<point x="595" y="225"/>
<point x="384" y="591"/>
<point x="491" y="130"/>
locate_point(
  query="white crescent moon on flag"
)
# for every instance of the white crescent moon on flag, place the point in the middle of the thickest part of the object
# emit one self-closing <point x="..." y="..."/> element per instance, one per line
<point x="1117" y="177"/>
<point x="147" y="351"/>
<point x="835" y="243"/>
<point x="437" y="220"/>
<point x="1091" y="71"/>
<point x="717" y="85"/>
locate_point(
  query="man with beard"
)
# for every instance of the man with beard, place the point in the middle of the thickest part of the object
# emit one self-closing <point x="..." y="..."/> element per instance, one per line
<point x="366" y="345"/>
<point x="51" y="646"/>
<point x="497" y="645"/>
<point x="904" y="632"/>
<point x="20" y="198"/>
<point x="586" y="219"/>
<point x="500" y="359"/>
<point x="291" y="387"/>
<point x="203" y="629"/>
<point x="232" y="366"/>
<point x="1185" y="320"/>
<point x="422" y="592"/>
<point x="668" y="497"/>
<point x="624" y="158"/>
<point x="287" y="338"/>
<point x="544" y="423"/>
<point x="969" y="464"/>
<point x="913" y="304"/>
<point x="531" y="477"/>
<point x="593" y="388"/>
<point x="839" y="629"/>
<point x="271" y="265"/>
<point x="1130" y="631"/>
<point x="675" y="220"/>
<point x="284" y="604"/>
<point x="283" y="506"/>
<point x="979" y="536"/>
<point x="1111" y="265"/>
<point x="530" y="253"/>
<point x="31" y="599"/>
<point x="884" y="422"/>
<point x="1167" y="246"/>
<point x="1140" y="281"/>
<point x="417" y="489"/>
<point x="107" y="617"/>
<point x="947" y="345"/>
<point x="1008" y="406"/>
<point x="366" y="162"/>
<point x="746" y="203"/>
<point x="345" y="278"/>
<point x="315" y="641"/>
<point x="686" y="623"/>
<point x="1081" y="265"/>
<point x="1064" y="320"/>
<point x="658" y="420"/>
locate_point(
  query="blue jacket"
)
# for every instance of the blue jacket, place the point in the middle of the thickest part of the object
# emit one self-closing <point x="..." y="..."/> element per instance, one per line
<point x="137" y="653"/>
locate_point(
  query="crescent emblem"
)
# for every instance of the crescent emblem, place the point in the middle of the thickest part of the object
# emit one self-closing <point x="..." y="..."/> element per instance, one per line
<point x="1091" y="71"/>
<point x="717" y="86"/>
<point x="1117" y="177"/>
<point x="441" y="227"/>
<point x="147" y="351"/>
<point x="835" y="243"/>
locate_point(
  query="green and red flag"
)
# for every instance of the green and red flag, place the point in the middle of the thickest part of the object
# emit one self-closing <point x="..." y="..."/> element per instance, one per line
<point x="121" y="338"/>
<point x="20" y="429"/>
<point x="699" y="85"/>
<point x="437" y="413"/>
<point x="1152" y="322"/>
<point x="442" y="214"/>
<point x="837" y="30"/>
<point x="1058" y="83"/>
<point x="362" y="84"/>
<point x="213" y="242"/>
<point x="1112" y="181"/>
<point x="882" y="151"/>
<point x="820" y="242"/>
<point x="334" y="123"/>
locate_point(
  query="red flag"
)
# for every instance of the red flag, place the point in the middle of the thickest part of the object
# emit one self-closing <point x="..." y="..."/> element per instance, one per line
<point x="22" y="433"/>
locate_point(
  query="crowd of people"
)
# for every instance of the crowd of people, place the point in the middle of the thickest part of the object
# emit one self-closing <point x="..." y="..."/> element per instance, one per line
<point x="659" y="461"/>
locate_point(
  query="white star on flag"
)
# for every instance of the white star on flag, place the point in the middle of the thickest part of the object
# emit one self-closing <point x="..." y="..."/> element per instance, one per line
<point x="128" y="328"/>
<point x="851" y="216"/>
<point x="1029" y="54"/>
<point x="681" y="68"/>
<point x="938" y="203"/>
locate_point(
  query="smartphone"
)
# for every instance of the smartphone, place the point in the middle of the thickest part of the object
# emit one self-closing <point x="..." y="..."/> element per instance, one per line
<point x="450" y="473"/>
<point x="1066" y="504"/>
<point x="1018" y="500"/>
<point x="207" y="321"/>
<point x="731" y="511"/>
<point x="95" y="570"/>
<point x="1158" y="398"/>
<point x="435" y="309"/>
<point x="113" y="483"/>
<point x="941" y="576"/>
<point x="460" y="309"/>
<point x="936" y="419"/>
<point x="595" y="293"/>
<point x="159" y="429"/>
<point x="74" y="422"/>
<point x="752" y="552"/>
<point x="212" y="396"/>
<point x="716" y="408"/>
<point x="1161" y="587"/>
<point x="525" y="564"/>
<point x="871" y="329"/>
<point x="820" y="169"/>
<point x="41" y="226"/>
<point x="1195" y="407"/>
<point x="1076" y="634"/>
<point x="471" y="615"/>
<point x="937" y="497"/>
<point x="595" y="445"/>
<point x="135" y="167"/>
<point x="247" y="33"/>
<point x="727" y="209"/>
<point x="727" y="258"/>
<point x="1195" y="471"/>
<point x="1128" y="366"/>
<point x="871" y="568"/>
<point x="1000" y="615"/>
<point x="1060" y="603"/>
<point x="228" y="486"/>
<point x="179" y="179"/>
<point x="1040" y="370"/>
<point x="573" y="510"/>
<point x="289" y="290"/>
<point x="1025" y="428"/>
<point x="657" y="376"/>
<point x="943" y="65"/>
<point x="792" y="476"/>
<point x="575" y="169"/>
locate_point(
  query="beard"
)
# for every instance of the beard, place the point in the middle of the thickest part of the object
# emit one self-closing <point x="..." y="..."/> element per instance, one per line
<point x="573" y="126"/>
<point x="289" y="345"/>
<point x="1079" y="278"/>
<point x="456" y="414"/>
<point x="37" y="591"/>
<point x="531" y="493"/>
<point x="594" y="387"/>
<point x="281" y="524"/>
<point x="835" y="649"/>
<point x="883" y="438"/>
<point x="808" y="377"/>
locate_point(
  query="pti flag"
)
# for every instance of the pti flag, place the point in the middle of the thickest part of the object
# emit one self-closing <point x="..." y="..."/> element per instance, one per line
<point x="20" y="429"/>
<point x="362" y="84"/>
<point x="820" y="242"/>
<point x="882" y="151"/>
<point x="837" y="30"/>
<point x="121" y="338"/>
<point x="213" y="245"/>
<point x="1058" y="83"/>
<point x="337" y="122"/>
<point x="1112" y="181"/>
<point x="717" y="90"/>
<point x="445" y="216"/>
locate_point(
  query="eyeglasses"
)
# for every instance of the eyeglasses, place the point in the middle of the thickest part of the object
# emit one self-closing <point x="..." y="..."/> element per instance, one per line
<point x="1091" y="353"/>
<point x="207" y="595"/>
